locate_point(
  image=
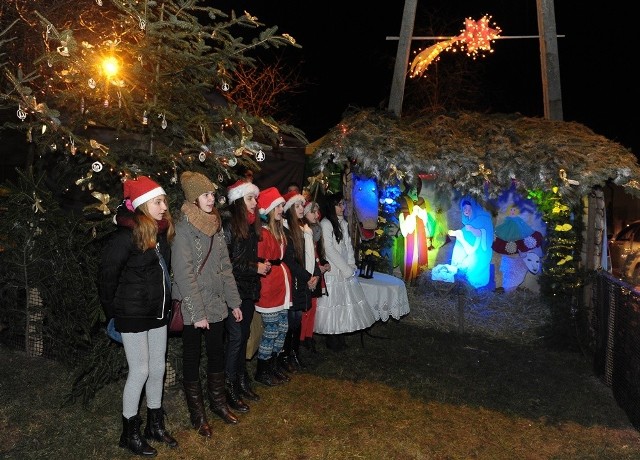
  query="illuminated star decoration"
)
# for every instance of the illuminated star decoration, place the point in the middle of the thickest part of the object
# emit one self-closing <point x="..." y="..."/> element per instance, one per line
<point x="476" y="38"/>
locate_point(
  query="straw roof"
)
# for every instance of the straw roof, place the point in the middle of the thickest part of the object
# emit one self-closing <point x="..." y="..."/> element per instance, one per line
<point x="480" y="154"/>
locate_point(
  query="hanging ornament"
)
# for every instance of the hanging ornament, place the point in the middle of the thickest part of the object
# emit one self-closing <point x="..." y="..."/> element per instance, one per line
<point x="225" y="86"/>
<point x="63" y="50"/>
<point x="222" y="200"/>
<point x="53" y="147"/>
<point x="37" y="204"/>
<point x="260" y="156"/>
<point x="94" y="233"/>
<point x="104" y="203"/>
<point x="97" y="145"/>
<point x="145" y="118"/>
<point x="163" y="123"/>
<point x="202" y="156"/>
<point x="92" y="83"/>
<point x="22" y="115"/>
<point x="565" y="180"/>
<point x="99" y="2"/>
<point x="174" y="178"/>
<point x="142" y="23"/>
<point x="232" y="161"/>
<point x="96" y="166"/>
<point x="106" y="102"/>
<point x="220" y="178"/>
<point x="47" y="32"/>
<point x="72" y="146"/>
<point x="43" y="129"/>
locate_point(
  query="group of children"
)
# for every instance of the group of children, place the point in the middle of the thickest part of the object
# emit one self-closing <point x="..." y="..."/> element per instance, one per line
<point x="266" y="255"/>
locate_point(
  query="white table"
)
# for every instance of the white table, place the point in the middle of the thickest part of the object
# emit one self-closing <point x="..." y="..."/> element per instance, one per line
<point x="387" y="296"/>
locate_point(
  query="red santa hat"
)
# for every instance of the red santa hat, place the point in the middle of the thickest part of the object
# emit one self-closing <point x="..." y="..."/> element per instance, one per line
<point x="241" y="189"/>
<point x="292" y="198"/>
<point x="269" y="199"/>
<point x="141" y="189"/>
<point x="309" y="206"/>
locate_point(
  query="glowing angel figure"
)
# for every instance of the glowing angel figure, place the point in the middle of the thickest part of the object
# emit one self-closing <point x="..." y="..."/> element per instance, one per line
<point x="476" y="37"/>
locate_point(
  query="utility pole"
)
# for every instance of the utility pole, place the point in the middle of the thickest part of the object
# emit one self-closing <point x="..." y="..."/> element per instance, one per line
<point x="549" y="60"/>
<point x="402" y="57"/>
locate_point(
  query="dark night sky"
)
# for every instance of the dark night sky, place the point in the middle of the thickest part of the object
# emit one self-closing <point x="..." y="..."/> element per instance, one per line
<point x="348" y="61"/>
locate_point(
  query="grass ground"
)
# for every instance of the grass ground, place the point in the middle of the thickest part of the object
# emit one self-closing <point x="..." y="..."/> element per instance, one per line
<point x="417" y="393"/>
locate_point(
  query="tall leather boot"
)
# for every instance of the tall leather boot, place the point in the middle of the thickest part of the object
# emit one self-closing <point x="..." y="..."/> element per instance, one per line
<point x="218" y="399"/>
<point x="195" y="404"/>
<point x="277" y="370"/>
<point x="264" y="375"/>
<point x="244" y="383"/>
<point x="294" y="355"/>
<point x="132" y="439"/>
<point x="234" y="400"/>
<point x="284" y="363"/>
<point x="155" y="427"/>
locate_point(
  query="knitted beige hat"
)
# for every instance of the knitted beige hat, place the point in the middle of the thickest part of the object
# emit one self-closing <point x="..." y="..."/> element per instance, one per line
<point x="195" y="184"/>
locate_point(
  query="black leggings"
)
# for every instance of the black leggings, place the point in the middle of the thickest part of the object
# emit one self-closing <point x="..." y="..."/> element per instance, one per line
<point x="192" y="350"/>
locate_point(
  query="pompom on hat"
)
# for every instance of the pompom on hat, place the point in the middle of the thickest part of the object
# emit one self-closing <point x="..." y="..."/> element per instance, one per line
<point x="309" y="206"/>
<point x="292" y="198"/>
<point x="269" y="199"/>
<point x="241" y="189"/>
<point x="195" y="184"/>
<point x="141" y="190"/>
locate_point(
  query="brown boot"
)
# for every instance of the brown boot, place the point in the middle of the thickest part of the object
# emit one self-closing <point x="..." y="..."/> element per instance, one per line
<point x="218" y="399"/>
<point x="195" y="404"/>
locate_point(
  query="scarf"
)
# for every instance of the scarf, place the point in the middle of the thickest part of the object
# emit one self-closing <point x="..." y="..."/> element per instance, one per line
<point x="209" y="224"/>
<point x="251" y="217"/>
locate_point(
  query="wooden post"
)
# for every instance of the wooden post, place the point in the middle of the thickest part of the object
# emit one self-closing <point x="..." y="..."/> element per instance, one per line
<point x="549" y="61"/>
<point x="402" y="57"/>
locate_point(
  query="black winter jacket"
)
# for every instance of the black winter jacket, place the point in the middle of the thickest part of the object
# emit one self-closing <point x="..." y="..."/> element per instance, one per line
<point x="131" y="282"/>
<point x="244" y="259"/>
<point x="300" y="293"/>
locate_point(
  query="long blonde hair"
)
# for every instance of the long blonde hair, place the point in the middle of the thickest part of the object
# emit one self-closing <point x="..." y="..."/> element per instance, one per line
<point x="276" y="227"/>
<point x="145" y="231"/>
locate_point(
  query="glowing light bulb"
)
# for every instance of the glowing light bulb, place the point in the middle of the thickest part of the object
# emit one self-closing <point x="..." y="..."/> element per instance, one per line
<point x="110" y="66"/>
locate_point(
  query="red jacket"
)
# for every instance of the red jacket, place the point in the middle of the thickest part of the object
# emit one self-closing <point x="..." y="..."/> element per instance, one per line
<point x="275" y="287"/>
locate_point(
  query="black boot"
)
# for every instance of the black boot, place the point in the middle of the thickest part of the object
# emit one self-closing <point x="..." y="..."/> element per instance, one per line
<point x="264" y="375"/>
<point x="244" y="383"/>
<point x="285" y="365"/>
<point x="217" y="398"/>
<point x="155" y="427"/>
<point x="277" y="368"/>
<point x="294" y="355"/>
<point x="195" y="404"/>
<point x="233" y="396"/>
<point x="132" y="439"/>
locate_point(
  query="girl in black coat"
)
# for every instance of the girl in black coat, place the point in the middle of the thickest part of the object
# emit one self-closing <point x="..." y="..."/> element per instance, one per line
<point x="135" y="289"/>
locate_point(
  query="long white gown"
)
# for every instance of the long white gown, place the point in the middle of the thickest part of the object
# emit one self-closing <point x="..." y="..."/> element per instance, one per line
<point x="345" y="308"/>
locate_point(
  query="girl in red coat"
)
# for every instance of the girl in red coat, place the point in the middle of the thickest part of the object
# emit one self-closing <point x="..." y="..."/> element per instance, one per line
<point x="275" y="288"/>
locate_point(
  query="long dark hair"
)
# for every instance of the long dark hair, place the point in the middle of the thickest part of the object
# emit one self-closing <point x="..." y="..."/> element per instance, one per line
<point x="329" y="212"/>
<point x="239" y="222"/>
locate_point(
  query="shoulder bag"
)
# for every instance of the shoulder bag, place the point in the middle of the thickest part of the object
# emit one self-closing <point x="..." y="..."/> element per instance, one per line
<point x="176" y="320"/>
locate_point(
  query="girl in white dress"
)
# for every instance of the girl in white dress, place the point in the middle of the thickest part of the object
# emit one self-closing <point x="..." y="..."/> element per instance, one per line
<point x="345" y="308"/>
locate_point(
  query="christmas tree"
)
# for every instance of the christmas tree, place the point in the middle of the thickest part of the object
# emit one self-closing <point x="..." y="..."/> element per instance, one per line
<point x="124" y="88"/>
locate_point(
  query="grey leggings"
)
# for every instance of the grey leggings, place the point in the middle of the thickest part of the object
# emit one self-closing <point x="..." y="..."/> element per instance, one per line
<point x="146" y="355"/>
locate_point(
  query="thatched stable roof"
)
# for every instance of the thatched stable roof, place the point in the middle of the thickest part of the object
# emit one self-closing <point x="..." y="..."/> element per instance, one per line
<point x="480" y="154"/>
